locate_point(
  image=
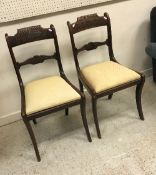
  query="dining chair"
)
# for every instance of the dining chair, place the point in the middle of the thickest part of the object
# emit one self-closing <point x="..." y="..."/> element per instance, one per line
<point x="104" y="78"/>
<point x="47" y="95"/>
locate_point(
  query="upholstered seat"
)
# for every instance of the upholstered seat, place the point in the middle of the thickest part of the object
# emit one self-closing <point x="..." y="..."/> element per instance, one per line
<point x="48" y="92"/>
<point x="108" y="74"/>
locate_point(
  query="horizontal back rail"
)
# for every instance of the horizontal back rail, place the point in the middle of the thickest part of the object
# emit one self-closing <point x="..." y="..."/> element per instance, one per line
<point x="36" y="59"/>
<point x="91" y="46"/>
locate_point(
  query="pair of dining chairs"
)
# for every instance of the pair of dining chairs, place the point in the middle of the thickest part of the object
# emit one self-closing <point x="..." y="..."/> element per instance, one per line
<point x="46" y="95"/>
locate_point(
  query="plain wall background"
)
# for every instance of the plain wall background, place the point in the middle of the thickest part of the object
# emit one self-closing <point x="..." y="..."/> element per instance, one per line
<point x="130" y="30"/>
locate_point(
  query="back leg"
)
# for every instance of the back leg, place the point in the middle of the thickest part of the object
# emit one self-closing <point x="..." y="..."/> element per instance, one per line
<point x="66" y="111"/>
<point x="34" y="121"/>
<point x="138" y="96"/>
<point x="110" y="96"/>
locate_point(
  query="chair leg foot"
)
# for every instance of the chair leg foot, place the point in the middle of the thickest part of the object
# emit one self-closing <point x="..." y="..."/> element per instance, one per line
<point x="138" y="97"/>
<point x="66" y="111"/>
<point x="34" y="121"/>
<point x="110" y="96"/>
<point x="94" y="108"/>
<point x="81" y="86"/>
<point x="31" y="133"/>
<point x="84" y="119"/>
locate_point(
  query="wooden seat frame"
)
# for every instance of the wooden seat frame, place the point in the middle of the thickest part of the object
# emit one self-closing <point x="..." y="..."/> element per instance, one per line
<point x="32" y="34"/>
<point x="88" y="22"/>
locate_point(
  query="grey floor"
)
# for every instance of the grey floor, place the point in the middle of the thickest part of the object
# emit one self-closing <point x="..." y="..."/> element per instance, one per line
<point x="127" y="147"/>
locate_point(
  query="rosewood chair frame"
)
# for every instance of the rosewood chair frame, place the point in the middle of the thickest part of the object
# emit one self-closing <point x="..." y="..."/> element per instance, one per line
<point x="32" y="34"/>
<point x="93" y="21"/>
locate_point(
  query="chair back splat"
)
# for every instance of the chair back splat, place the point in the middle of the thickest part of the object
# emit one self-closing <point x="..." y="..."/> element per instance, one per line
<point x="88" y="22"/>
<point x="32" y="34"/>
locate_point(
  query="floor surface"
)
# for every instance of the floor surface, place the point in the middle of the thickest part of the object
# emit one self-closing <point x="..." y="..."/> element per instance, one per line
<point x="127" y="147"/>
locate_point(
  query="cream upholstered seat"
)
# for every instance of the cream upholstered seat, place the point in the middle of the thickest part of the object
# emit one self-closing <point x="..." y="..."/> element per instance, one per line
<point x="48" y="92"/>
<point x="108" y="74"/>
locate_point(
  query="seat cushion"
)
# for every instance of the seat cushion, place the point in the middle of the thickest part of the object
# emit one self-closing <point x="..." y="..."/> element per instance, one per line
<point x="108" y="74"/>
<point x="48" y="92"/>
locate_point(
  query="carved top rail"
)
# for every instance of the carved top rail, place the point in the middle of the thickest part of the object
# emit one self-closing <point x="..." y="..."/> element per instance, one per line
<point x="29" y="34"/>
<point x="87" y="22"/>
<point x="36" y="59"/>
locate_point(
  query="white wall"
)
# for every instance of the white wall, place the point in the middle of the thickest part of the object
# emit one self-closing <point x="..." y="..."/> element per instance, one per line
<point x="130" y="27"/>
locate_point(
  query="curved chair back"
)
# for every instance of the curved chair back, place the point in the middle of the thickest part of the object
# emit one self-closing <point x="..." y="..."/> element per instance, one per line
<point x="32" y="34"/>
<point x="88" y="22"/>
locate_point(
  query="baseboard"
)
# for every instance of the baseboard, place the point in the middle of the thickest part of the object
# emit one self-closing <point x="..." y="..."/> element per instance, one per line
<point x="10" y="118"/>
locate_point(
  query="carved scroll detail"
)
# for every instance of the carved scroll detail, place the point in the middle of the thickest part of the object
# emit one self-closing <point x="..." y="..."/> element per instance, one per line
<point x="36" y="59"/>
<point x="91" y="46"/>
<point x="88" y="21"/>
<point x="30" y="34"/>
